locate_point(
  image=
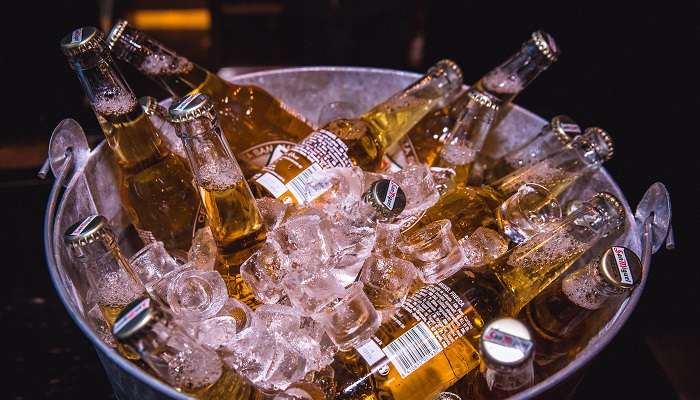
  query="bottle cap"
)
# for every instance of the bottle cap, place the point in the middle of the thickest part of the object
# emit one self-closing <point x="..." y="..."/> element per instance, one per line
<point x="600" y="141"/>
<point x="483" y="99"/>
<point x="81" y="40"/>
<point x="89" y="230"/>
<point x="190" y="107"/>
<point x="387" y="198"/>
<point x="115" y="33"/>
<point x="150" y="106"/>
<point x="546" y="45"/>
<point x="612" y="209"/>
<point x="135" y="319"/>
<point x="506" y="342"/>
<point x="620" y="267"/>
<point x="564" y="128"/>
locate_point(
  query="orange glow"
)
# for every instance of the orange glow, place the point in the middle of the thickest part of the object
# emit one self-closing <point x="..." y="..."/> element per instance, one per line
<point x="191" y="19"/>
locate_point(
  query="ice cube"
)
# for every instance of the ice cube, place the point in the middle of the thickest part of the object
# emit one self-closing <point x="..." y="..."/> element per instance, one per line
<point x="239" y="311"/>
<point x="264" y="271"/>
<point x="193" y="367"/>
<point x="351" y="319"/>
<point x="302" y="238"/>
<point x="387" y="281"/>
<point x="352" y="246"/>
<point x="340" y="188"/>
<point x="197" y="295"/>
<point x="483" y="246"/>
<point x="217" y="333"/>
<point x="277" y="319"/>
<point x="272" y="212"/>
<point x="310" y="290"/>
<point x="251" y="355"/>
<point x="203" y="252"/>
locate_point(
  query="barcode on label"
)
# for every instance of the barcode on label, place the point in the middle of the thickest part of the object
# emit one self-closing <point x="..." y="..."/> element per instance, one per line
<point x="412" y="349"/>
<point x="298" y="185"/>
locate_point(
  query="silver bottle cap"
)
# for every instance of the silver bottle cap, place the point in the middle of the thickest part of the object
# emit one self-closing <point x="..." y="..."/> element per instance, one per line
<point x="115" y="33"/>
<point x="450" y="70"/>
<point x="564" y="128"/>
<point x="613" y="209"/>
<point x="483" y="99"/>
<point x="546" y="45"/>
<point x="620" y="267"/>
<point x="135" y="319"/>
<point x="89" y="230"/>
<point x="190" y="107"/>
<point x="506" y="342"/>
<point x="82" y="40"/>
<point x="387" y="198"/>
<point x="600" y="141"/>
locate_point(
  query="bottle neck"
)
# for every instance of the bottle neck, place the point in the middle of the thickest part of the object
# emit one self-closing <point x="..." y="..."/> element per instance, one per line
<point x="556" y="172"/>
<point x="508" y="79"/>
<point x="508" y="379"/>
<point x="392" y="119"/>
<point x="587" y="289"/>
<point x="466" y="139"/>
<point x="544" y="144"/>
<point x="176" y="74"/>
<point x="211" y="160"/>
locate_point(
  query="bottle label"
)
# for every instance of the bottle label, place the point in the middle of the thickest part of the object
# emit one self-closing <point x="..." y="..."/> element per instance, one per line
<point x="623" y="265"/>
<point x="133" y="313"/>
<point x="77" y="36"/>
<point x="412" y="349"/>
<point x="441" y="319"/>
<point x="507" y="340"/>
<point x="264" y="154"/>
<point x="324" y="148"/>
<point x="79" y="229"/>
<point x="390" y="197"/>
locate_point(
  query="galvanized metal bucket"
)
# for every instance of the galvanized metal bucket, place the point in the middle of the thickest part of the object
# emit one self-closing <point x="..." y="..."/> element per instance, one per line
<point x="86" y="184"/>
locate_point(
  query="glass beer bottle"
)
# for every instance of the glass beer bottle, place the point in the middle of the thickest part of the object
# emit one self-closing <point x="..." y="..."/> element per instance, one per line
<point x="112" y="282"/>
<point x="358" y="142"/>
<point x="552" y="138"/>
<point x="503" y="82"/>
<point x="232" y="214"/>
<point x="507" y="351"/>
<point x="155" y="184"/>
<point x="175" y="357"/>
<point x="558" y="316"/>
<point x="431" y="341"/>
<point x="257" y="126"/>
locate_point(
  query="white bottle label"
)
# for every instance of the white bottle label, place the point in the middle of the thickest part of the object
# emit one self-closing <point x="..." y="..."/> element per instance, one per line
<point x="299" y="188"/>
<point x="623" y="265"/>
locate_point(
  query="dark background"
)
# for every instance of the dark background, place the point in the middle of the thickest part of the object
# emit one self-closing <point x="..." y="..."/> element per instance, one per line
<point x="629" y="69"/>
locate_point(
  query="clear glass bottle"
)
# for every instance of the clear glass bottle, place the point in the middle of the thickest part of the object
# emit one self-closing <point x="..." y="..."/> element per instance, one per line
<point x="552" y="138"/>
<point x="232" y="214"/>
<point x="503" y="82"/>
<point x="155" y="184"/>
<point x="558" y="316"/>
<point x="431" y="341"/>
<point x="257" y="126"/>
<point x="466" y="138"/>
<point x="358" y="142"/>
<point x="175" y="357"/>
<point x="112" y="282"/>
<point x="582" y="157"/>
<point x="507" y="350"/>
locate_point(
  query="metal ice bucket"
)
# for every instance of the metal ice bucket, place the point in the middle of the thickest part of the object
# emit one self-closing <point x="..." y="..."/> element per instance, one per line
<point x="86" y="184"/>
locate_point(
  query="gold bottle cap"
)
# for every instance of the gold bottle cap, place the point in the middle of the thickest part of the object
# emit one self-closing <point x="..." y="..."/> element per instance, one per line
<point x="135" y="319"/>
<point x="89" y="230"/>
<point x="601" y="141"/>
<point x="450" y="69"/>
<point x="115" y="33"/>
<point x="81" y="40"/>
<point x="190" y="107"/>
<point x="620" y="267"/>
<point x="386" y="197"/>
<point x="546" y="45"/>
<point x="506" y="342"/>
<point x="614" y="206"/>
<point x="564" y="128"/>
<point x="483" y="99"/>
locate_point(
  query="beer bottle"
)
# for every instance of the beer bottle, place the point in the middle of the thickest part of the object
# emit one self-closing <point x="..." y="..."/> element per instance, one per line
<point x="112" y="283"/>
<point x="466" y="139"/>
<point x="358" y="142"/>
<point x="155" y="184"/>
<point x="233" y="216"/>
<point x="257" y="126"/>
<point x="431" y="341"/>
<point x="552" y="138"/>
<point x="175" y="357"/>
<point x="558" y="316"/>
<point x="507" y="350"/>
<point x="503" y="82"/>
